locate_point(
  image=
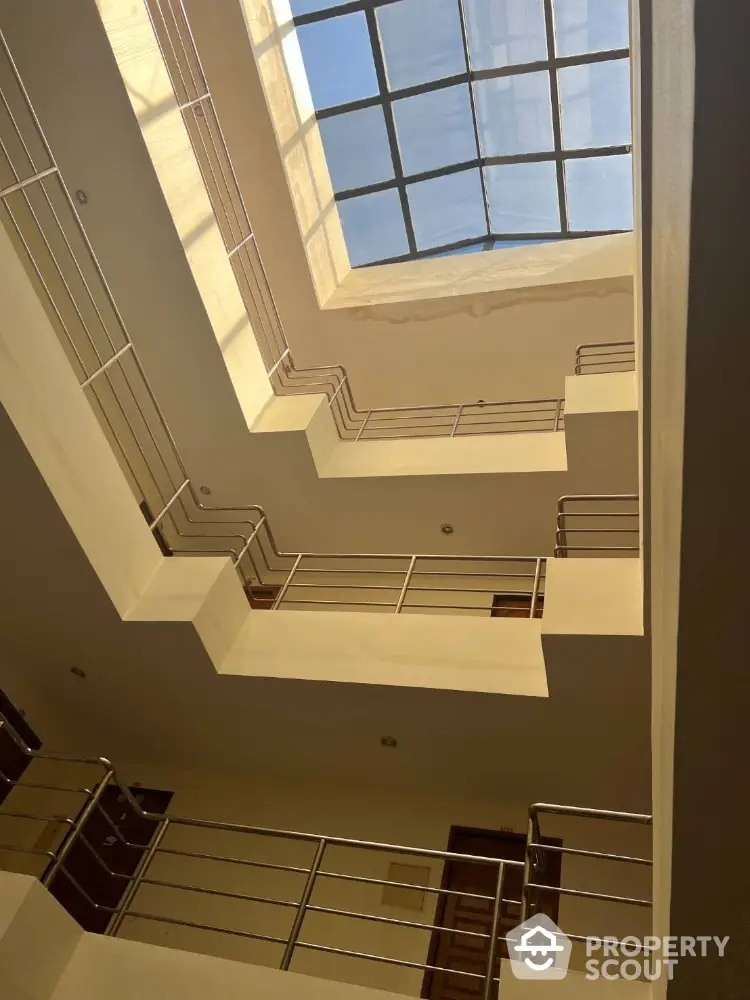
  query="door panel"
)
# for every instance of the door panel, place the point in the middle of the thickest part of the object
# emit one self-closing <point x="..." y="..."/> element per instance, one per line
<point x="101" y="887"/>
<point x="469" y="954"/>
<point x="13" y="761"/>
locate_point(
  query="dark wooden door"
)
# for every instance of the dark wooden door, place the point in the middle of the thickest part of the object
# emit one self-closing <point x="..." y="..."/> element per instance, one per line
<point x="465" y="913"/>
<point x="13" y="761"/>
<point x="102" y="888"/>
<point x="515" y="606"/>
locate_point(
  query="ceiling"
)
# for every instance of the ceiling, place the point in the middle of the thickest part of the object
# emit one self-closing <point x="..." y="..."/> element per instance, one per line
<point x="479" y="347"/>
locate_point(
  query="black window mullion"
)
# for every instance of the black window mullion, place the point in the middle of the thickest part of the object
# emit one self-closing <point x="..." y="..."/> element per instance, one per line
<point x="562" y="197"/>
<point x="390" y="125"/>
<point x="472" y="100"/>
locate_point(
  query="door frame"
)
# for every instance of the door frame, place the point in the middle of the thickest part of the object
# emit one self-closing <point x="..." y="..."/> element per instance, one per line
<point x="455" y="832"/>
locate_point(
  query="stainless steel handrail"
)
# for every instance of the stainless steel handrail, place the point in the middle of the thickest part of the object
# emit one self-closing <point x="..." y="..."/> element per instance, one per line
<point x="536" y="851"/>
<point x="312" y="871"/>
<point x="599" y="359"/>
<point x="602" y="523"/>
<point x="192" y="93"/>
<point x="48" y="230"/>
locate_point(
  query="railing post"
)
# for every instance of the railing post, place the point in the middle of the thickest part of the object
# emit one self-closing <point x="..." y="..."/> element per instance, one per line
<point x="287" y="582"/>
<point x="492" y="954"/>
<point x="535" y="590"/>
<point x="458" y="417"/>
<point x="364" y="424"/>
<point x="558" y="409"/>
<point x="407" y="580"/>
<point x="135" y="883"/>
<point x="303" y="903"/>
<point x="75" y="829"/>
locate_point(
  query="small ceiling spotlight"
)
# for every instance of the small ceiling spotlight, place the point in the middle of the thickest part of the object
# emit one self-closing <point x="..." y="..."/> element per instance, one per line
<point x="389" y="741"/>
<point x="206" y="490"/>
<point x="77" y="672"/>
<point x="447" y="529"/>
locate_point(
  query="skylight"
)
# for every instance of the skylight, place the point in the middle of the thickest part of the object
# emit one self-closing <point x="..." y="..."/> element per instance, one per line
<point x="452" y="126"/>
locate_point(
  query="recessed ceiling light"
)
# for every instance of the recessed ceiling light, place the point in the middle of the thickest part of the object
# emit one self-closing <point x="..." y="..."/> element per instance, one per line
<point x="447" y="529"/>
<point x="77" y="672"/>
<point x="389" y="741"/>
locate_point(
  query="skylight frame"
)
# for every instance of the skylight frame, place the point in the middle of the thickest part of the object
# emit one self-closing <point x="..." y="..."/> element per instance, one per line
<point x="385" y="99"/>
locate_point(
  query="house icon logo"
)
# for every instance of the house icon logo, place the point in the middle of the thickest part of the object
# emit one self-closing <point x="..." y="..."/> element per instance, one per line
<point x="538" y="949"/>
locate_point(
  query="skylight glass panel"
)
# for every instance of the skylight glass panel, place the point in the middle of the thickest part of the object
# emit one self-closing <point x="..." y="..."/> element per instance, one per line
<point x="595" y="104"/>
<point x="450" y="126"/>
<point x="447" y="209"/>
<point x="338" y="60"/>
<point x="590" y="26"/>
<point x="523" y="197"/>
<point x="421" y="40"/>
<point x="514" y="114"/>
<point x="357" y="149"/>
<point x="435" y="129"/>
<point x="600" y="192"/>
<point x="505" y="33"/>
<point x="373" y="227"/>
<point x="310" y="6"/>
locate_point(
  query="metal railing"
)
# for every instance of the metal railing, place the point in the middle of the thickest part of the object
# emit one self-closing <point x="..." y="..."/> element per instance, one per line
<point x="45" y="224"/>
<point x="599" y="359"/>
<point x="537" y="853"/>
<point x="162" y="848"/>
<point x="191" y="89"/>
<point x="608" y="524"/>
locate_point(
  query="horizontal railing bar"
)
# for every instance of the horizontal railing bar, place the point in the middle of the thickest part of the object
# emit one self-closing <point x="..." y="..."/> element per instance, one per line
<point x="457" y="607"/>
<point x="579" y="497"/>
<point x="367" y="845"/>
<point x="354" y="604"/>
<point x="429" y="556"/>
<point x="20" y="185"/>
<point x="553" y="809"/>
<point x="133" y="914"/>
<point x="626" y="352"/>
<point x="108" y="364"/>
<point x="165" y="509"/>
<point x="416" y="925"/>
<point x="375" y="586"/>
<point x="417" y="572"/>
<point x="602" y="530"/>
<point x="33" y="816"/>
<point x="614" y="942"/>
<point x="483" y="423"/>
<point x="597" y="513"/>
<point x="602" y="548"/>
<point x="233" y="861"/>
<point x="449" y="406"/>
<point x="404" y="885"/>
<point x="559" y="849"/>
<point x="28" y="850"/>
<point x="195" y="100"/>
<point x="590" y="895"/>
<point x="46" y="788"/>
<point x="388" y="961"/>
<point x="219" y="892"/>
